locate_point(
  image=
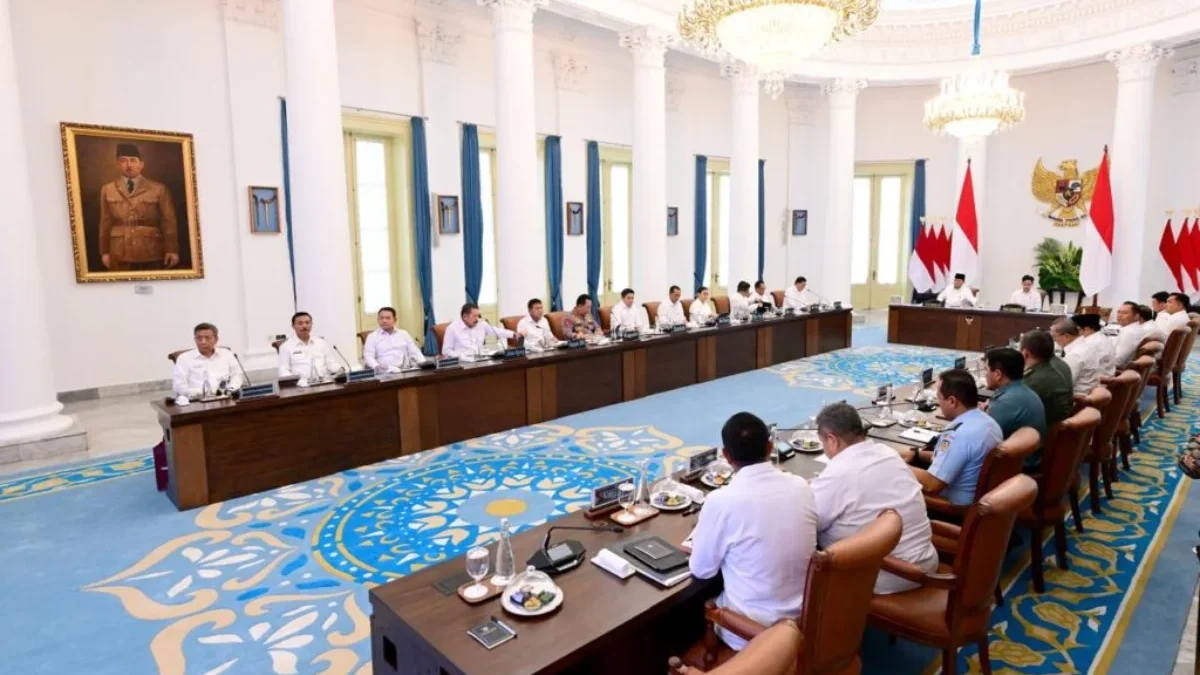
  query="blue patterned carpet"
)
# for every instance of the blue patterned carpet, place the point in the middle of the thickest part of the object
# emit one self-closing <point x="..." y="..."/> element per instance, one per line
<point x="103" y="576"/>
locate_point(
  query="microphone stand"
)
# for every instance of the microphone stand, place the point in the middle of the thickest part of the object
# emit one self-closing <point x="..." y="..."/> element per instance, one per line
<point x="245" y="375"/>
<point x="541" y="558"/>
<point x="342" y="357"/>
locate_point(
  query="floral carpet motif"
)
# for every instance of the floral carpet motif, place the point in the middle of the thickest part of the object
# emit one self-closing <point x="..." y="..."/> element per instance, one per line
<point x="35" y="484"/>
<point x="863" y="369"/>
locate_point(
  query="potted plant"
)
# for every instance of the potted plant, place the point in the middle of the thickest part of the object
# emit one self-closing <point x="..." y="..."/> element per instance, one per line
<point x="1057" y="266"/>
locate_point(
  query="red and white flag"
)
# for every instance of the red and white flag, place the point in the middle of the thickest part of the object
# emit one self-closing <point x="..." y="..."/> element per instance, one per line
<point x="1169" y="249"/>
<point x="964" y="243"/>
<point x="920" y="263"/>
<point x="941" y="258"/>
<point x="1195" y="241"/>
<point x="1187" y="257"/>
<point x="1095" y="273"/>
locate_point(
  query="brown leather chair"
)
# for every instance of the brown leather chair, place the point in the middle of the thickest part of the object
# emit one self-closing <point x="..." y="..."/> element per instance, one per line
<point x="276" y="343"/>
<point x="953" y="606"/>
<point x="555" y="319"/>
<point x="773" y="652"/>
<point x="837" y="592"/>
<point x="175" y="354"/>
<point x="1131" y="421"/>
<point x="1163" y="375"/>
<point x="606" y="318"/>
<point x="439" y="331"/>
<point x="1150" y="347"/>
<point x="1065" y="447"/>
<point x="1110" y="400"/>
<point x="1002" y="463"/>
<point x="778" y="295"/>
<point x="721" y="302"/>
<point x="652" y="311"/>
<point x="1181" y="363"/>
<point x="687" y="307"/>
<point x="363" y="335"/>
<point x="1102" y="312"/>
<point x="510" y="322"/>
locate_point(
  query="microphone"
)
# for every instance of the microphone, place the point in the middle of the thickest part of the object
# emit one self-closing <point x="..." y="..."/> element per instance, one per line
<point x="568" y="554"/>
<point x="245" y="375"/>
<point x="601" y="527"/>
<point x="343" y="358"/>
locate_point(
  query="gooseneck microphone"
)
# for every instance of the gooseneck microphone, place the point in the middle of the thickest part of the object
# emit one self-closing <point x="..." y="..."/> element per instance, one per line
<point x="245" y="375"/>
<point x="602" y="527"/>
<point x="341" y="356"/>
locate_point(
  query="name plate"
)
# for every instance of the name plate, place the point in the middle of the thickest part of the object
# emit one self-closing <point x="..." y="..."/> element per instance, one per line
<point x="757" y="317"/>
<point x="1012" y="309"/>
<point x="360" y="375"/>
<point x="698" y="462"/>
<point x="606" y="495"/>
<point x="814" y="308"/>
<point x="789" y="311"/>
<point x="933" y="303"/>
<point x="837" y="304"/>
<point x="253" y="391"/>
<point x="510" y="354"/>
<point x="723" y="320"/>
<point x="631" y="337"/>
<point x="960" y="363"/>
<point x="678" y="328"/>
<point x="447" y="362"/>
<point x="926" y="377"/>
<point x="576" y="343"/>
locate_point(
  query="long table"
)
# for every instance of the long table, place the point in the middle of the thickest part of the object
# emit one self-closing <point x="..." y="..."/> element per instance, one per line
<point x="221" y="450"/>
<point x="965" y="329"/>
<point x="605" y="625"/>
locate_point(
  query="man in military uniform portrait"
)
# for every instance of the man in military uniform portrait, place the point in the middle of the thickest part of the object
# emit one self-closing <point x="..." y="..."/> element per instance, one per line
<point x="138" y="229"/>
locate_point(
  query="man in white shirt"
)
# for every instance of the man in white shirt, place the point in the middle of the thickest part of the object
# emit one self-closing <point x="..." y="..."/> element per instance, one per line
<point x="758" y="532"/>
<point x="761" y="296"/>
<point x="670" y="311"/>
<point x="1102" y="345"/>
<point x="467" y="334"/>
<point x="390" y="349"/>
<point x="1025" y="296"/>
<point x="206" y="364"/>
<point x="1079" y="355"/>
<point x="740" y="305"/>
<point x="1158" y="302"/>
<point x="305" y="354"/>
<point x="627" y="316"/>
<point x="1174" y="314"/>
<point x="702" y="310"/>
<point x="863" y="479"/>
<point x="799" y="297"/>
<point x="957" y="295"/>
<point x="1130" y="334"/>
<point x="1150" y="327"/>
<point x="535" y="328"/>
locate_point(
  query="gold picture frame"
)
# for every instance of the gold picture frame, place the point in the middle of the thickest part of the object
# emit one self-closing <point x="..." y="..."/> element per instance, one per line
<point x="126" y="226"/>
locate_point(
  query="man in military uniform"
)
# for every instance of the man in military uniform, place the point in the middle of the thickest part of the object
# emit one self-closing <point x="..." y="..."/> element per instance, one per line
<point x="138" y="230"/>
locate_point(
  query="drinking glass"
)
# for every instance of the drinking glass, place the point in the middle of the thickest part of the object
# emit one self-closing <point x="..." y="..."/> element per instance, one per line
<point x="477" y="567"/>
<point x="626" y="495"/>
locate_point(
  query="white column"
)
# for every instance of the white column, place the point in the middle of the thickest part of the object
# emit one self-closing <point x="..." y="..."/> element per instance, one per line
<point x="803" y="253"/>
<point x="320" y="211"/>
<point x="975" y="149"/>
<point x="29" y="409"/>
<point x="649" y="46"/>
<point x="520" y="243"/>
<point x="843" y="101"/>
<point x="1130" y="165"/>
<point x="743" y="176"/>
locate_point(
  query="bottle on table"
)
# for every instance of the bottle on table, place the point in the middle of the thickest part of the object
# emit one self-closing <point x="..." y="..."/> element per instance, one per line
<point x="506" y="565"/>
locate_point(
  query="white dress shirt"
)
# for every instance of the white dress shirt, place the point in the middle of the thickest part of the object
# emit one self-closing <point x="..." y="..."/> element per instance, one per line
<point x="1128" y="339"/>
<point x="1031" y="301"/>
<point x="384" y="350"/>
<point x="300" y="358"/>
<point x="1085" y="365"/>
<point x="1152" y="329"/>
<point x="700" y="311"/>
<point x="758" y="532"/>
<point x="957" y="297"/>
<point x="461" y="340"/>
<point x="1106" y="352"/>
<point x="739" y="306"/>
<point x="670" y="314"/>
<point x="860" y="483"/>
<point x="537" y="334"/>
<point x="766" y="299"/>
<point x="192" y="369"/>
<point x="794" y="299"/>
<point x="628" y="317"/>
<point x="1169" y="322"/>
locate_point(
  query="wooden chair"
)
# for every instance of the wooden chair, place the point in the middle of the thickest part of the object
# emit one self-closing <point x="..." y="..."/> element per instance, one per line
<point x="953" y="606"/>
<point x="172" y="356"/>
<point x="1181" y="363"/>
<point x="778" y="295"/>
<point x="652" y="311"/>
<point x="1150" y="347"/>
<point x="721" y="302"/>
<point x="1131" y="420"/>
<point x="1162" y="376"/>
<point x="439" y="332"/>
<point x="555" y="319"/>
<point x="275" y="344"/>
<point x="1002" y="463"/>
<point x="687" y="308"/>
<point x="1102" y="312"/>
<point x="363" y="335"/>
<point x="1060" y="462"/>
<point x="773" y="652"/>
<point x="1110" y="401"/>
<point x="606" y="318"/>
<point x="837" y="593"/>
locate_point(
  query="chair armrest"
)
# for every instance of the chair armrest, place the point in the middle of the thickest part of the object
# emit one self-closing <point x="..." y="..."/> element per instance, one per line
<point x="911" y="572"/>
<point x="738" y="624"/>
<point x="943" y="506"/>
<point x="945" y="537"/>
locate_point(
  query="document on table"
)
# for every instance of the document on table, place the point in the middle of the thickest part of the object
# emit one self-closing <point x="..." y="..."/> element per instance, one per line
<point x="918" y="435"/>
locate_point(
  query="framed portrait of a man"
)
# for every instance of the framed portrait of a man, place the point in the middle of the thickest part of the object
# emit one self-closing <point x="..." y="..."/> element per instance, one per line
<point x="131" y="194"/>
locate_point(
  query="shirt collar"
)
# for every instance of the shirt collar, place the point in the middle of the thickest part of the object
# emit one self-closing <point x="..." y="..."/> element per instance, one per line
<point x="853" y="449"/>
<point x="754" y="471"/>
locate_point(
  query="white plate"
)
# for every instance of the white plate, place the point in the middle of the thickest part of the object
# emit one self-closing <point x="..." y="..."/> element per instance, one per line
<point x="706" y="480"/>
<point x="798" y="438"/>
<point x="513" y="608"/>
<point x="687" y="501"/>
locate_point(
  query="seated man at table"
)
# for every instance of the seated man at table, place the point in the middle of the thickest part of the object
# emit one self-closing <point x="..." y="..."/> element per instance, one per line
<point x="205" y="365"/>
<point x="799" y="297"/>
<point x="465" y="337"/>
<point x="1014" y="405"/>
<point x="1101" y="344"/>
<point x="740" y="306"/>
<point x="863" y="479"/>
<point x="1083" y="360"/>
<point x="1129" y="335"/>
<point x="960" y="450"/>
<point x="579" y="322"/>
<point x="761" y="297"/>
<point x="305" y="354"/>
<point x="1174" y="313"/>
<point x="535" y="328"/>
<point x="389" y="348"/>
<point x="1158" y="302"/>
<point x="1048" y="376"/>
<point x="1025" y="296"/>
<point x="670" y="311"/>
<point x="702" y="310"/>
<point x="627" y="316"/>
<point x="957" y="295"/>
<point x="757" y="532"/>
<point x="1150" y="327"/>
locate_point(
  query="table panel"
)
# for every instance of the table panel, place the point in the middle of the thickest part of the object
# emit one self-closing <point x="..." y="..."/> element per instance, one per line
<point x="587" y="383"/>
<point x="670" y="365"/>
<point x="736" y="352"/>
<point x="481" y="405"/>
<point x="964" y="329"/>
<point x="834" y="332"/>
<point x="789" y="341"/>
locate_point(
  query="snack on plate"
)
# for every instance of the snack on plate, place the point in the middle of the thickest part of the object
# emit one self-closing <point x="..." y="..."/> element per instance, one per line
<point x="671" y="499"/>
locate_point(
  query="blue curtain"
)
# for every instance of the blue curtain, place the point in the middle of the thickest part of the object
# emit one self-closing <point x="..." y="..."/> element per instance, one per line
<point x="472" y="213"/>
<point x="287" y="193"/>
<point x="762" y="217"/>
<point x="701" y="220"/>
<point x="594" y="246"/>
<point x="423" y="231"/>
<point x="918" y="208"/>
<point x="554" y="220"/>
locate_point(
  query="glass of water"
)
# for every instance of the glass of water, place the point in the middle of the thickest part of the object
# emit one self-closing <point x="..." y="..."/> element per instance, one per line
<point x="626" y="495"/>
<point x="477" y="567"/>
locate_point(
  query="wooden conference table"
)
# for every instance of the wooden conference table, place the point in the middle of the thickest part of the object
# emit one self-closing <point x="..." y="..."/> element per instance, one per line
<point x="965" y="329"/>
<point x="222" y="450"/>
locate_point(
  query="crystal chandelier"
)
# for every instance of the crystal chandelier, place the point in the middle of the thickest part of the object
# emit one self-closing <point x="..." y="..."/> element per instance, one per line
<point x="773" y="35"/>
<point x="976" y="103"/>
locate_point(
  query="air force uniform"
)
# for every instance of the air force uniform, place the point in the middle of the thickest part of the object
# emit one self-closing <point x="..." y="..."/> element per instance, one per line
<point x="961" y="449"/>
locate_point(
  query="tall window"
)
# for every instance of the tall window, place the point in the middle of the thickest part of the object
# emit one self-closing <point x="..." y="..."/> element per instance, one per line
<point x="374" y="221"/>
<point x="879" y="233"/>
<point x="716" y="274"/>
<point x="616" y="187"/>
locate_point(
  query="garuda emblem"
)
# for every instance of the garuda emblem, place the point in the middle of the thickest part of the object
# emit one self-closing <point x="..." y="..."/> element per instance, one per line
<point x="1069" y="196"/>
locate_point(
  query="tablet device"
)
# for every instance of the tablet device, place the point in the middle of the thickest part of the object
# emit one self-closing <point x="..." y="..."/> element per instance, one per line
<point x="492" y="633"/>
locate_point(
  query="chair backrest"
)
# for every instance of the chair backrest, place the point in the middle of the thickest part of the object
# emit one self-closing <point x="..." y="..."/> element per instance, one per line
<point x="722" y="304"/>
<point x="1189" y="342"/>
<point x="1102" y="312"/>
<point x="840" y="585"/>
<point x="276" y="343"/>
<point x="363" y="335"/>
<point x="687" y="308"/>
<point x="555" y="319"/>
<point x="1174" y="347"/>
<point x="1150" y="347"/>
<point x="439" y="331"/>
<point x="982" y="547"/>
<point x="652" y="311"/>
<point x="510" y="322"/>
<point x="175" y="354"/>
<point x="606" y="318"/>
<point x="778" y="295"/>
<point x="1143" y="366"/>
<point x="1123" y="387"/>
<point x="1006" y="460"/>
<point x="1063" y="454"/>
